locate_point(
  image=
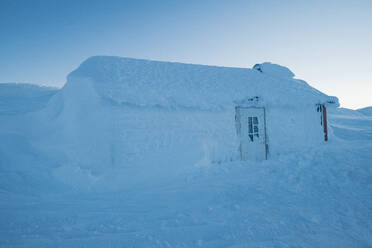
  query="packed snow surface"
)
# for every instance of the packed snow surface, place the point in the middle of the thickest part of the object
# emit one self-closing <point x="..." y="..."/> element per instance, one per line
<point x="121" y="157"/>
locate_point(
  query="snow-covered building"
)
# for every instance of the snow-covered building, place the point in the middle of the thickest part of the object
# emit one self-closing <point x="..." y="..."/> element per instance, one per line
<point x="132" y="112"/>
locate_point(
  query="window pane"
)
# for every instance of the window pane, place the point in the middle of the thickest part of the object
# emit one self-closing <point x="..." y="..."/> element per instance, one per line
<point x="250" y="126"/>
<point x="251" y="137"/>
<point x="255" y="120"/>
<point x="255" y="129"/>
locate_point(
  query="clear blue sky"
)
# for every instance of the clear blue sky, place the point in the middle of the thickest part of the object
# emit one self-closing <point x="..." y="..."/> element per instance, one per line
<point x="326" y="43"/>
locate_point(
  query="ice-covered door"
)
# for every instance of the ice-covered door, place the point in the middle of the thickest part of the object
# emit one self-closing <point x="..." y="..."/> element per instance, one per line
<point x="251" y="132"/>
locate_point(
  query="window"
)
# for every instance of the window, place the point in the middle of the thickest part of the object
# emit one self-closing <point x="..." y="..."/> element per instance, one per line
<point x="253" y="128"/>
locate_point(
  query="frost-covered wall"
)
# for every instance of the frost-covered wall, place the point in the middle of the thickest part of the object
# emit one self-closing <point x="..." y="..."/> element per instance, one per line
<point x="289" y="129"/>
<point x="98" y="133"/>
<point x="128" y="113"/>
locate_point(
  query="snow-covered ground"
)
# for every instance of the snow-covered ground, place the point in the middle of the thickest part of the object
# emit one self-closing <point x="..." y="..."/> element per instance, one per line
<point x="315" y="197"/>
<point x="366" y="111"/>
<point x="18" y="98"/>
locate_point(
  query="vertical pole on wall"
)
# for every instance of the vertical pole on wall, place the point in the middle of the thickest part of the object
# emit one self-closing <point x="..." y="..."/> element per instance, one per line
<point x="325" y="123"/>
<point x="266" y="145"/>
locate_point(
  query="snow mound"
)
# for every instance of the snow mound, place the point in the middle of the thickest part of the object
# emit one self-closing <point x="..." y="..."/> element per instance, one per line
<point x="171" y="85"/>
<point x="17" y="98"/>
<point x="274" y="70"/>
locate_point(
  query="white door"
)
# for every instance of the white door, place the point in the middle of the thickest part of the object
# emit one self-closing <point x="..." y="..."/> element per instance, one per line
<point x="250" y="123"/>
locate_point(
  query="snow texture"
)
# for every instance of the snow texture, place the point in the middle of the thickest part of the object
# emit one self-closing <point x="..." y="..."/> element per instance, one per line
<point x="136" y="153"/>
<point x="366" y="111"/>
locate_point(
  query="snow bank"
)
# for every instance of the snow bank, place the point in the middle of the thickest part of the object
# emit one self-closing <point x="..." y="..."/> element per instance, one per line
<point x="20" y="98"/>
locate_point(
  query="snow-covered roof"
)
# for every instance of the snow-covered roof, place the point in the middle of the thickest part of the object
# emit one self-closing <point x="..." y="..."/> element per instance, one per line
<point x="167" y="84"/>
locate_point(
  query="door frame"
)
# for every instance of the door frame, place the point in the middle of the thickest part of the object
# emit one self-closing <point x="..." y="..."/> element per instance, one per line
<point x="238" y="128"/>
